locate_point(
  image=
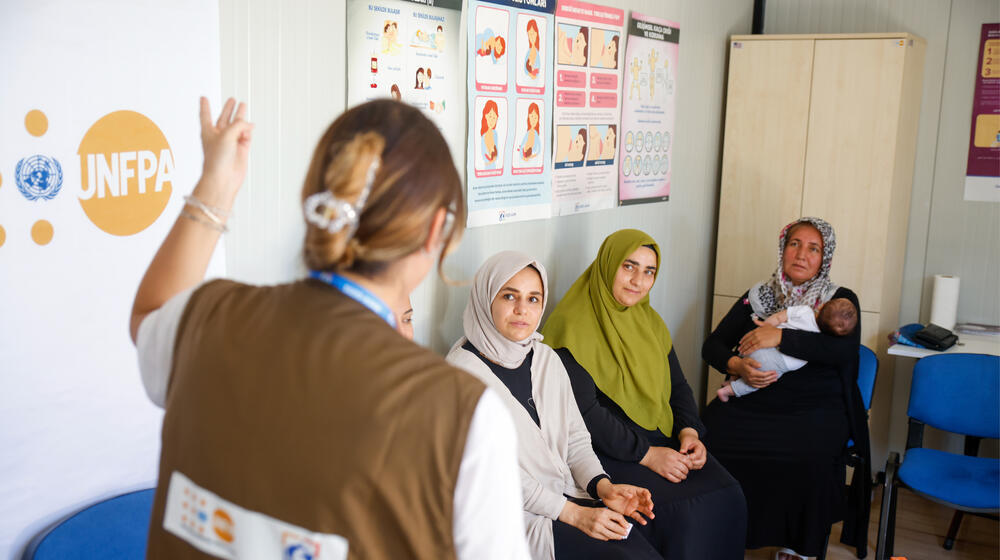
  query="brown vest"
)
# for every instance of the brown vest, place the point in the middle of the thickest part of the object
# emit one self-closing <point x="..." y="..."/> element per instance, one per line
<point x="297" y="402"/>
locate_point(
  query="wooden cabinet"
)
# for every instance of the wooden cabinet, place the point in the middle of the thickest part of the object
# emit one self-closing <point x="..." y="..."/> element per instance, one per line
<point x="820" y="125"/>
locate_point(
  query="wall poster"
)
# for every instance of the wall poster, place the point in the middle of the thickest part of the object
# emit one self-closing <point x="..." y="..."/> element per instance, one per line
<point x="587" y="113"/>
<point x="408" y="50"/>
<point x="982" y="176"/>
<point x="510" y="101"/>
<point x="649" y="98"/>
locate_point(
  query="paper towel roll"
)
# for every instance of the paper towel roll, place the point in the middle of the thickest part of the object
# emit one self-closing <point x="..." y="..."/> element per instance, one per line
<point x="944" y="303"/>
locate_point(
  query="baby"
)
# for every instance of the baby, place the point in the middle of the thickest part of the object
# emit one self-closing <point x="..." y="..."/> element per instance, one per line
<point x="836" y="317"/>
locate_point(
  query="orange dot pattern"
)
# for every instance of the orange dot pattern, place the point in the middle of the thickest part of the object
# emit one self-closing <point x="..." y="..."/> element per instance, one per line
<point x="36" y="122"/>
<point x="41" y="232"/>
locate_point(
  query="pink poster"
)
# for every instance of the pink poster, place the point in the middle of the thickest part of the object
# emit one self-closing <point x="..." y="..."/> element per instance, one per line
<point x="587" y="114"/>
<point x="649" y="97"/>
<point x="982" y="176"/>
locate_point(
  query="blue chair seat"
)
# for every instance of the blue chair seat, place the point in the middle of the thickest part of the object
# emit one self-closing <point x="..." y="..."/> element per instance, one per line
<point x="115" y="528"/>
<point x="971" y="482"/>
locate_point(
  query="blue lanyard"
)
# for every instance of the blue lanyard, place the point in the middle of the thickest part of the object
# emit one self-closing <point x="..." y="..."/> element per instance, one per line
<point x="358" y="293"/>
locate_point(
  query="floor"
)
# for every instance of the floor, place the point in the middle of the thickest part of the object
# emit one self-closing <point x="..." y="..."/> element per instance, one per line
<point x="920" y="529"/>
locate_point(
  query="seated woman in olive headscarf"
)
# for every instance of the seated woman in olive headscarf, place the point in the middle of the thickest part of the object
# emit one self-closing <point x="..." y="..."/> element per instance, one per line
<point x="638" y="406"/>
<point x="561" y="478"/>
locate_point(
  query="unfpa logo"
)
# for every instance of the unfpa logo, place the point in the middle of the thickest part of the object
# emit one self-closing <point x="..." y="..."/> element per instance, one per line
<point x="126" y="167"/>
<point x="38" y="176"/>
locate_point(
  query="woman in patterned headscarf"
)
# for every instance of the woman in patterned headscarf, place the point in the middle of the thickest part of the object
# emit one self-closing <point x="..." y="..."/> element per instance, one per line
<point x="784" y="442"/>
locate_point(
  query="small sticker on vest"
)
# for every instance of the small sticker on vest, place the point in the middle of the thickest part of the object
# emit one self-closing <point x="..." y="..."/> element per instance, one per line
<point x="225" y="530"/>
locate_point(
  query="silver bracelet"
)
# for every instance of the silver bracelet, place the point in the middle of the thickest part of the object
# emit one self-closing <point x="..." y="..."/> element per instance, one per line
<point x="213" y="213"/>
<point x="219" y="227"/>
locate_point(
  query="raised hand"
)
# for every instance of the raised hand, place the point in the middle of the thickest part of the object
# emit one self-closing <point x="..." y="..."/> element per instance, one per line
<point x="226" y="145"/>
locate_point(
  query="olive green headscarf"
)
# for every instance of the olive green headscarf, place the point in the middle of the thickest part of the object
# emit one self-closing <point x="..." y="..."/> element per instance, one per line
<point x="624" y="348"/>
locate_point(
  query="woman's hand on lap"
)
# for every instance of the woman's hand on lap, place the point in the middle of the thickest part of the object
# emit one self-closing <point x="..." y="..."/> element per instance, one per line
<point x="748" y="369"/>
<point x="693" y="448"/>
<point x="602" y="524"/>
<point x="626" y="499"/>
<point x="668" y="463"/>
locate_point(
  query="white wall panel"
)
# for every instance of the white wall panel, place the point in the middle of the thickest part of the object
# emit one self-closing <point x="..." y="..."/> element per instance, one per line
<point x="288" y="60"/>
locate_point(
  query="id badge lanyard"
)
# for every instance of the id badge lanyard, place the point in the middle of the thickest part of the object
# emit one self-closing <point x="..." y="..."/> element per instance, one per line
<point x="358" y="293"/>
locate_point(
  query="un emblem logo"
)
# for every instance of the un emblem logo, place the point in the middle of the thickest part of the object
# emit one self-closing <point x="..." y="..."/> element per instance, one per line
<point x="38" y="176"/>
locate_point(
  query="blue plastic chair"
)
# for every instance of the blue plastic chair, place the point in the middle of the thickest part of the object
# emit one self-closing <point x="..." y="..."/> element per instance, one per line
<point x="112" y="529"/>
<point x="958" y="393"/>
<point x="867" y="373"/>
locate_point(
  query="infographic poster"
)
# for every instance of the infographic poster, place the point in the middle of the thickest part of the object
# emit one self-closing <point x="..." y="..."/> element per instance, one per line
<point x="408" y="51"/>
<point x="510" y="101"/>
<point x="982" y="176"/>
<point x="649" y="100"/>
<point x="587" y="112"/>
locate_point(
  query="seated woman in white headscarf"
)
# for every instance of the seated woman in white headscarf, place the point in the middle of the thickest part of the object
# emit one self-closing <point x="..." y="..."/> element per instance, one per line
<point x="572" y="509"/>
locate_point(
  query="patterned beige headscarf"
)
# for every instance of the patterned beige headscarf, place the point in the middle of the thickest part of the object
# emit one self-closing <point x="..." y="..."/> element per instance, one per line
<point x="778" y="292"/>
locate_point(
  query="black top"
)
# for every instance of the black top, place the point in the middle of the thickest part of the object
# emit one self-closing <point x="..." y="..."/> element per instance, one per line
<point x="612" y="432"/>
<point x="517" y="380"/>
<point x="831" y="372"/>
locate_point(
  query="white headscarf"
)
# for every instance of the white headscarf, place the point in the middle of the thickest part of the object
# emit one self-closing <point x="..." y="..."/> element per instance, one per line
<point x="477" y="320"/>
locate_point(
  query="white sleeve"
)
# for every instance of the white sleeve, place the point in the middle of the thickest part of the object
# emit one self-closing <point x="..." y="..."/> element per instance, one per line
<point x="155" y="345"/>
<point x="488" y="520"/>
<point x="801" y="317"/>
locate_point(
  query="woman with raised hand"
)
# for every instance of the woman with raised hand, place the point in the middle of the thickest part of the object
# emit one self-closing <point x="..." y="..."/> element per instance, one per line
<point x="561" y="478"/>
<point x="784" y="442"/>
<point x="298" y="420"/>
<point x="638" y="406"/>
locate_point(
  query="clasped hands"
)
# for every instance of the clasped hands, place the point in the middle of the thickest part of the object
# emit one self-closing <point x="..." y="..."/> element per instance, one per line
<point x="609" y="523"/>
<point x="674" y="465"/>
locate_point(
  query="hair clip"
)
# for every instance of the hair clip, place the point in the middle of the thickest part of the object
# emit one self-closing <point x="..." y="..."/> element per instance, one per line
<point x="328" y="212"/>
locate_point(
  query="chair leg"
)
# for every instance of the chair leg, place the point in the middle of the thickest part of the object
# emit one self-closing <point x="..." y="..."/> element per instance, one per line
<point x="891" y="546"/>
<point x="956" y="522"/>
<point x="883" y="546"/>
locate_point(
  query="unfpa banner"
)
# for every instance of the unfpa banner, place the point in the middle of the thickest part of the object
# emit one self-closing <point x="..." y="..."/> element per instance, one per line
<point x="99" y="140"/>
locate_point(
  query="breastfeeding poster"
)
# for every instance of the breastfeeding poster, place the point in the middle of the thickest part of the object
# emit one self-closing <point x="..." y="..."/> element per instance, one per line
<point x="510" y="103"/>
<point x="98" y="144"/>
<point x="588" y="78"/>
<point x="982" y="177"/>
<point x="408" y="51"/>
<point x="649" y="98"/>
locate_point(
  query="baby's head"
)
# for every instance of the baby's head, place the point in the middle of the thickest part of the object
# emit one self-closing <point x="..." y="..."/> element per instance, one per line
<point x="837" y="317"/>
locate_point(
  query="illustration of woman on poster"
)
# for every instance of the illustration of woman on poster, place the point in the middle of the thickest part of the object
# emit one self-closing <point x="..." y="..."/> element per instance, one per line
<point x="609" y="54"/>
<point x="578" y="147"/>
<point x="594" y="149"/>
<point x="573" y="51"/>
<point x="390" y="36"/>
<point x="490" y="44"/>
<point x="608" y="148"/>
<point x="531" y="61"/>
<point x="488" y="134"/>
<point x="531" y="146"/>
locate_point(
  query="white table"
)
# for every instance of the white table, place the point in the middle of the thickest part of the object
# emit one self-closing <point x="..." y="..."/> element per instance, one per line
<point x="967" y="343"/>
